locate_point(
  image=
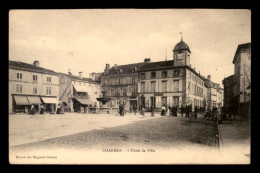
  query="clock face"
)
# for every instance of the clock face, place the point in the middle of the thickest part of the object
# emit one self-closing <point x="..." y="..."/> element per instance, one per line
<point x="180" y="55"/>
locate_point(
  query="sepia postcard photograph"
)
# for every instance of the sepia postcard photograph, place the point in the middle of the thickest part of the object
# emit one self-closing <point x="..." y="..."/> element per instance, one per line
<point x="129" y="86"/>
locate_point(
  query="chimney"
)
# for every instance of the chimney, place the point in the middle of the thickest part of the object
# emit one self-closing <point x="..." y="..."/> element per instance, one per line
<point x="147" y="60"/>
<point x="209" y="77"/>
<point x="115" y="66"/>
<point x="107" y="66"/>
<point x="69" y="72"/>
<point x="80" y="75"/>
<point x="36" y="63"/>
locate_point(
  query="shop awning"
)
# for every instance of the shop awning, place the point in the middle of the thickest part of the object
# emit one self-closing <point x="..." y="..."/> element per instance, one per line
<point x="84" y="101"/>
<point x="81" y="88"/>
<point x="104" y="99"/>
<point x="21" y="100"/>
<point x="49" y="100"/>
<point x="34" y="100"/>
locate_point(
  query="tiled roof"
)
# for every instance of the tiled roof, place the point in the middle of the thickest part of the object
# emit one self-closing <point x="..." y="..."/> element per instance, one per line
<point x="29" y="67"/>
<point x="156" y="65"/>
<point x="78" y="78"/>
<point x="124" y="69"/>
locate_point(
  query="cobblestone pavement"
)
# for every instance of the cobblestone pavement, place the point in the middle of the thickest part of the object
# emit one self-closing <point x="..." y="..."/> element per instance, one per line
<point x="25" y="128"/>
<point x="76" y="136"/>
<point x="235" y="137"/>
<point x="100" y="131"/>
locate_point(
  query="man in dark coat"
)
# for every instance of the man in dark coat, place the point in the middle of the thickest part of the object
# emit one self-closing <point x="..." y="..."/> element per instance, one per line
<point x="182" y="110"/>
<point x="32" y="110"/>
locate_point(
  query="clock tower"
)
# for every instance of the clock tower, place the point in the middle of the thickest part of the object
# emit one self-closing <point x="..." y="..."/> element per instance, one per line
<point x="181" y="54"/>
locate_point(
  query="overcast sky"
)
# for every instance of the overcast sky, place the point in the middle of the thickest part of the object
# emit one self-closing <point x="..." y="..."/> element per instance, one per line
<point x="85" y="40"/>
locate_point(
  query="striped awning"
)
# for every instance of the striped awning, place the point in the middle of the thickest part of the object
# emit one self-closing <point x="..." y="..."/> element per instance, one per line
<point x="34" y="100"/>
<point x="49" y="100"/>
<point x="21" y="100"/>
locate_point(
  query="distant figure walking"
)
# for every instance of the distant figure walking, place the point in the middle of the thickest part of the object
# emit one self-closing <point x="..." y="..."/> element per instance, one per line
<point x="32" y="110"/>
<point x="152" y="111"/>
<point x="163" y="110"/>
<point x="41" y="109"/>
<point x="182" y="110"/>
<point x="134" y="107"/>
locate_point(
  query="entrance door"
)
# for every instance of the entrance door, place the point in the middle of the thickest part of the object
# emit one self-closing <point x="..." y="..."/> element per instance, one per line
<point x="133" y="103"/>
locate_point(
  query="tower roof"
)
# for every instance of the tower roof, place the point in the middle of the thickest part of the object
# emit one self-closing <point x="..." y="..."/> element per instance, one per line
<point x="181" y="46"/>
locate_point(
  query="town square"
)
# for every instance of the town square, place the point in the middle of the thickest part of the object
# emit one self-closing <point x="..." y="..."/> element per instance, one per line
<point x="129" y="86"/>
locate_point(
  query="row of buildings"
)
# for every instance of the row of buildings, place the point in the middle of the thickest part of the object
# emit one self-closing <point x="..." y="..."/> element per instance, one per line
<point x="169" y="83"/>
<point x="144" y="84"/>
<point x="237" y="87"/>
<point x="30" y="84"/>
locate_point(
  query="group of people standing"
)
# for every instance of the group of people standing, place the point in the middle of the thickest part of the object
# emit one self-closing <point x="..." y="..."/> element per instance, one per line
<point x="33" y="111"/>
<point x="174" y="109"/>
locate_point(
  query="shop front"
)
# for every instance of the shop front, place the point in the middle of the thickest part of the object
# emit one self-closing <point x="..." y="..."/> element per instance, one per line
<point x="21" y="104"/>
<point x="49" y="104"/>
<point x="35" y="101"/>
<point x="81" y="105"/>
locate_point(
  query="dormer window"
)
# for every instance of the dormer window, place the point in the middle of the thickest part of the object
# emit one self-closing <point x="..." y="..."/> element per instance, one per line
<point x="153" y="74"/>
<point x="164" y="74"/>
<point x="142" y="75"/>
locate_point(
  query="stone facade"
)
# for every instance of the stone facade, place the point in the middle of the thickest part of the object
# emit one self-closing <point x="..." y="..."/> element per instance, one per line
<point x="30" y="80"/>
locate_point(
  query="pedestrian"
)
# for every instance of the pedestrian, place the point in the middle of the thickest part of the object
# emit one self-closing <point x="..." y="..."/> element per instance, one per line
<point x="41" y="109"/>
<point x="182" y="110"/>
<point x="120" y="109"/>
<point x="187" y="111"/>
<point x="32" y="110"/>
<point x="52" y="110"/>
<point x="134" y="107"/>
<point x="195" y="112"/>
<point x="152" y="111"/>
<point x="58" y="110"/>
<point x="163" y="110"/>
<point x="176" y="111"/>
<point x="143" y="111"/>
<point x="170" y="110"/>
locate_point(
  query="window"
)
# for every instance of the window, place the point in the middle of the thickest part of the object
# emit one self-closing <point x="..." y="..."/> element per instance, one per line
<point x="34" y="89"/>
<point x="105" y="81"/>
<point x="164" y="86"/>
<point x="142" y="87"/>
<point x="117" y="92"/>
<point x="48" y="79"/>
<point x="133" y="91"/>
<point x="164" y="74"/>
<point x="153" y="74"/>
<point x="119" y="81"/>
<point x="176" y="85"/>
<point x="19" y="88"/>
<point x="142" y="75"/>
<point x="133" y="80"/>
<point x="176" y="73"/>
<point x="164" y="101"/>
<point x="48" y="90"/>
<point x="35" y="78"/>
<point x="176" y="101"/>
<point x="19" y="76"/>
<point x="153" y="102"/>
<point x="152" y="86"/>
<point x="124" y="92"/>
